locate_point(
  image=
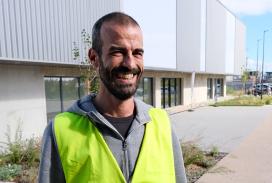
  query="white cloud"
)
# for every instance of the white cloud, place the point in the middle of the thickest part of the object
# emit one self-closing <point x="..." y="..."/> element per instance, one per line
<point x="252" y="65"/>
<point x="248" y="7"/>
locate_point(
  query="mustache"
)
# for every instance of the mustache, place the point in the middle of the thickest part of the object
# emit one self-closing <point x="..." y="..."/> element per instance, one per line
<point x="122" y="69"/>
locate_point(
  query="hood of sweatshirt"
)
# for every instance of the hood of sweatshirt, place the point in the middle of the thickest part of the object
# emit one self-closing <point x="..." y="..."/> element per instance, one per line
<point x="85" y="107"/>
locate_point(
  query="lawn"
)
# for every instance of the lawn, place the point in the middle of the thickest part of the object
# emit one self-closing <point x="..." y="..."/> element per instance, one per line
<point x="246" y="100"/>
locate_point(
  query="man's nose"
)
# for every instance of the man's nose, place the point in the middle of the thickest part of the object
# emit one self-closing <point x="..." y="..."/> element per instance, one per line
<point x="129" y="61"/>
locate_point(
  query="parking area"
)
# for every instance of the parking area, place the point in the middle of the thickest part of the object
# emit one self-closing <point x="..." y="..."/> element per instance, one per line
<point x="223" y="127"/>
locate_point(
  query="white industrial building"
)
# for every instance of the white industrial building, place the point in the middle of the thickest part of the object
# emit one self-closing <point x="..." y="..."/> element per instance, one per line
<point x="190" y="47"/>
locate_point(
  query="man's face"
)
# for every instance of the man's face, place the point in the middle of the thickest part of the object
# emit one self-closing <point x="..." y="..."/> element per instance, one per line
<point x="121" y="60"/>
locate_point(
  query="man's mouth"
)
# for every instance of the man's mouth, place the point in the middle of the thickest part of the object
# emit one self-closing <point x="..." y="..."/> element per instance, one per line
<point x="125" y="75"/>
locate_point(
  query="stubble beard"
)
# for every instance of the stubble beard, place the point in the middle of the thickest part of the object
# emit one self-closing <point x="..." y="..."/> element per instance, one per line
<point x="119" y="90"/>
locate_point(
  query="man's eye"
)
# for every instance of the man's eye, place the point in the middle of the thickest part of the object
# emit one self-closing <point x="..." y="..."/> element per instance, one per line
<point x="138" y="54"/>
<point x="116" y="53"/>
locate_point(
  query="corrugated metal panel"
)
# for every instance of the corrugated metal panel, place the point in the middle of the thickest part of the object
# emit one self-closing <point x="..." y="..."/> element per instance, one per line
<point x="240" y="48"/>
<point x="216" y="37"/>
<point x="47" y="29"/>
<point x="189" y="32"/>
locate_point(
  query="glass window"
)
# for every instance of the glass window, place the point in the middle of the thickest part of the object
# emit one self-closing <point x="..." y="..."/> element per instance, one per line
<point x="162" y="93"/>
<point x="148" y="90"/>
<point x="70" y="91"/>
<point x="178" y="91"/>
<point x="170" y="92"/>
<point x="140" y="91"/>
<point x="52" y="93"/>
<point x="61" y="92"/>
<point x="166" y="92"/>
<point x="145" y="90"/>
<point x="219" y="87"/>
<point x="209" y="88"/>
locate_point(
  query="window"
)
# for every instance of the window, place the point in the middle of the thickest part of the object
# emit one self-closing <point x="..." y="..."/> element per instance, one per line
<point x="209" y="88"/>
<point x="61" y="92"/>
<point x="145" y="90"/>
<point x="219" y="87"/>
<point x="170" y="92"/>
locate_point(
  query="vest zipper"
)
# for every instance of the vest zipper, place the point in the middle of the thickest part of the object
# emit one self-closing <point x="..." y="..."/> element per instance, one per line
<point x="125" y="161"/>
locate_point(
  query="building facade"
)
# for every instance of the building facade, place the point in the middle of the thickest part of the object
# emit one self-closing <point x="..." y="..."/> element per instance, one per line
<point x="190" y="47"/>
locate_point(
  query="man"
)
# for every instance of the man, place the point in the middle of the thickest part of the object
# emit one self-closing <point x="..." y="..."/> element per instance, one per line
<point x="111" y="136"/>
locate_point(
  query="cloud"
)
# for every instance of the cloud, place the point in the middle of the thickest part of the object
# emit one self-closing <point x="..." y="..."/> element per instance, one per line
<point x="252" y="65"/>
<point x="248" y="7"/>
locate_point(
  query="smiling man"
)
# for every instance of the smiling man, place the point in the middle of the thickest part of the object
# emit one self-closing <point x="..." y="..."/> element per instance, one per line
<point x="111" y="136"/>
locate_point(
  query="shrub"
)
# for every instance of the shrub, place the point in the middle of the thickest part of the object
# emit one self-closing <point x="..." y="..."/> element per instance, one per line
<point x="8" y="172"/>
<point x="20" y="159"/>
<point x="214" y="151"/>
<point x="21" y="151"/>
<point x="192" y="154"/>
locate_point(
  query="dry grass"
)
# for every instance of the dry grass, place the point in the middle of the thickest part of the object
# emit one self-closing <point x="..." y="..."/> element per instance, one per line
<point x="248" y="100"/>
<point x="197" y="161"/>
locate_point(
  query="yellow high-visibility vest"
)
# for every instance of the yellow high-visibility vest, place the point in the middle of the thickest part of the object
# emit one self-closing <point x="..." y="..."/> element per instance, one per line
<point x="86" y="157"/>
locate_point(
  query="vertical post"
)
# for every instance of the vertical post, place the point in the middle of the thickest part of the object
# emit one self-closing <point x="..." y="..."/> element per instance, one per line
<point x="257" y="69"/>
<point x="192" y="89"/>
<point x="263" y="64"/>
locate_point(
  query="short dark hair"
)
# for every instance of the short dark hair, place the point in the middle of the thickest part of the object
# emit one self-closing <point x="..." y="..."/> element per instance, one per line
<point x="118" y="17"/>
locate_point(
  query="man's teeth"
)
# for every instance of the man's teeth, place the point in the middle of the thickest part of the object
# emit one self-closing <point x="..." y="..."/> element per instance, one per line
<point x="125" y="76"/>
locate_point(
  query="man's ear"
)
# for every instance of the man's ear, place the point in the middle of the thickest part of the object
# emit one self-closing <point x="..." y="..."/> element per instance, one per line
<point x="94" y="58"/>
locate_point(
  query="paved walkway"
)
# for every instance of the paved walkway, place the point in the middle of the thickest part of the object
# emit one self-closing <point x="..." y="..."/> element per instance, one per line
<point x="251" y="162"/>
<point x="223" y="127"/>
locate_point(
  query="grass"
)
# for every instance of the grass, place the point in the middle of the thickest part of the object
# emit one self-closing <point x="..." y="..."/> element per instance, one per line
<point x="248" y="100"/>
<point x="19" y="161"/>
<point x="197" y="161"/>
<point x="232" y="92"/>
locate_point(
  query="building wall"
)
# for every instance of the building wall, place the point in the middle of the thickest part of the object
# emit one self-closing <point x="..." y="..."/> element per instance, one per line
<point x="48" y="30"/>
<point x="216" y="37"/>
<point x="157" y="19"/>
<point x="22" y="100"/>
<point x="240" y="48"/>
<point x="191" y="33"/>
<point x="199" y="94"/>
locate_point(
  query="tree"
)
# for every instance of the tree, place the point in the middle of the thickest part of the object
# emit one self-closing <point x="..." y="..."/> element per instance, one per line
<point x="245" y="78"/>
<point x="87" y="72"/>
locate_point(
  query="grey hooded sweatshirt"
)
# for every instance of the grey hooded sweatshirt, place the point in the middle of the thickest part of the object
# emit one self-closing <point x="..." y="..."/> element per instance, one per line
<point x="125" y="151"/>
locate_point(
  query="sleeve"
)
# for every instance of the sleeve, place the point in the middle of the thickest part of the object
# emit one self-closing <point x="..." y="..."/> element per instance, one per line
<point x="178" y="158"/>
<point x="50" y="170"/>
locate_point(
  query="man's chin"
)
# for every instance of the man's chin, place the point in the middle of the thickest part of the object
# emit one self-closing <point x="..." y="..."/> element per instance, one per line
<point x="123" y="94"/>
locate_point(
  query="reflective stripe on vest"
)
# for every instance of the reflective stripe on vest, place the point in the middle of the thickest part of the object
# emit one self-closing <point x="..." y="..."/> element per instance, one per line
<point x="86" y="157"/>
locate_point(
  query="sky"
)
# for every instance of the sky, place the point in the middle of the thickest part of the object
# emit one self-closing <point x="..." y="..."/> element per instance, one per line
<point x="257" y="17"/>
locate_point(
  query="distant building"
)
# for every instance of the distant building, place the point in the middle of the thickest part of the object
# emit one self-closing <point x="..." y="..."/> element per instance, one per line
<point x="39" y="65"/>
<point x="268" y="77"/>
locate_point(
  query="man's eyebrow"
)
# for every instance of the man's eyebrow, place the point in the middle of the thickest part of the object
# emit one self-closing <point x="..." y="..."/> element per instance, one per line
<point x="114" y="48"/>
<point x="139" y="50"/>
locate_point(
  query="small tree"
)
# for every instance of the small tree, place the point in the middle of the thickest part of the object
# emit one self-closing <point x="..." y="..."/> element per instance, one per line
<point x="87" y="72"/>
<point x="245" y="78"/>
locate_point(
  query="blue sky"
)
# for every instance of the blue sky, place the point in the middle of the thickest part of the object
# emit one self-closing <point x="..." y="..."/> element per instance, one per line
<point x="257" y="17"/>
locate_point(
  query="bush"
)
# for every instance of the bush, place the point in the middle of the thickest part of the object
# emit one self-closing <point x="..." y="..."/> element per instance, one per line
<point x="214" y="151"/>
<point x="192" y="154"/>
<point x="21" y="151"/>
<point x="20" y="159"/>
<point x="8" y="172"/>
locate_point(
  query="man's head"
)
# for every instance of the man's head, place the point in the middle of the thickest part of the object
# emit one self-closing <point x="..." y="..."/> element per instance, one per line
<point x="117" y="53"/>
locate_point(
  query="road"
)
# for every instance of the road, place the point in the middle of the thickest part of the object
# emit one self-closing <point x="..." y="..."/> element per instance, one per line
<point x="223" y="127"/>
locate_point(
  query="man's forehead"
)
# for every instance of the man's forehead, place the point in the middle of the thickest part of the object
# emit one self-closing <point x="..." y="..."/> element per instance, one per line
<point x="115" y="27"/>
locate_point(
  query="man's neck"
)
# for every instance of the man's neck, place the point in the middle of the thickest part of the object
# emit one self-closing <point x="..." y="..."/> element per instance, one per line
<point x="111" y="106"/>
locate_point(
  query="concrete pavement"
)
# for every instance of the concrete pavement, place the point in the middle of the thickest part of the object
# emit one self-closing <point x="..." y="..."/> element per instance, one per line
<point x="223" y="127"/>
<point x="250" y="162"/>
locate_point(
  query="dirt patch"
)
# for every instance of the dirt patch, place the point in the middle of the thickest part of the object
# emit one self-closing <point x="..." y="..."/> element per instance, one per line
<point x="195" y="170"/>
